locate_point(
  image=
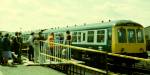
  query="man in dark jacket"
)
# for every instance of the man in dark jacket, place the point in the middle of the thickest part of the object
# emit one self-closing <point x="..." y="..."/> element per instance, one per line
<point x="6" y="53"/>
<point x="1" y="48"/>
<point x="68" y="42"/>
<point x="17" y="42"/>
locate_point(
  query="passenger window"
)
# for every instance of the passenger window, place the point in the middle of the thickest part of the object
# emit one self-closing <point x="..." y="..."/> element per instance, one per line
<point x="79" y="36"/>
<point x="140" y="38"/>
<point x="74" y="37"/>
<point x="131" y="36"/>
<point x="90" y="36"/>
<point x="122" y="35"/>
<point x="100" y="36"/>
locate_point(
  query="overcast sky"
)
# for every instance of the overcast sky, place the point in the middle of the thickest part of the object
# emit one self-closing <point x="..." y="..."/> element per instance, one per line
<point x="16" y="15"/>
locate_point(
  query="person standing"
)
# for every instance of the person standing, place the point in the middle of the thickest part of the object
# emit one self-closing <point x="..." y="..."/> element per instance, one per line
<point x="68" y="38"/>
<point x="68" y="42"/>
<point x="51" y="44"/>
<point x="1" y="48"/>
<point x="31" y="46"/>
<point x="20" y="47"/>
<point x="38" y="46"/>
<point x="67" y="52"/>
<point x="6" y="53"/>
<point x="17" y="42"/>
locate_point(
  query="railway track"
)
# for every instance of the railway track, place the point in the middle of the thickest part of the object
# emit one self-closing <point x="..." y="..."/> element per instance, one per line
<point x="140" y="68"/>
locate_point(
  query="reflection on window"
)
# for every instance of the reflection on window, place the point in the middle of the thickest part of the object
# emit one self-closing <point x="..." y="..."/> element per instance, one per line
<point x="100" y="36"/>
<point x="140" y="38"/>
<point x="131" y="36"/>
<point x="122" y="35"/>
<point x="79" y="36"/>
<point x="74" y="37"/>
<point x="90" y="36"/>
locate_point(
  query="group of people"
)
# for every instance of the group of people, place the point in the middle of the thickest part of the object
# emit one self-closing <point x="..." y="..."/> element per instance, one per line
<point x="11" y="46"/>
<point x="62" y="40"/>
<point x="8" y="46"/>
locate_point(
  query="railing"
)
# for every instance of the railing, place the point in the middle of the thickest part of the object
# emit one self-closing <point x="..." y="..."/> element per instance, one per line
<point x="58" y="56"/>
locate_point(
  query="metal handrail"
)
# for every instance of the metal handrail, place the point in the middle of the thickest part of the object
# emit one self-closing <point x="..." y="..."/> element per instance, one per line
<point x="103" y="52"/>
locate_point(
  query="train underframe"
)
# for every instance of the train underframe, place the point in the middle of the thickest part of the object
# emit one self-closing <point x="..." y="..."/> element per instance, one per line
<point x="95" y="59"/>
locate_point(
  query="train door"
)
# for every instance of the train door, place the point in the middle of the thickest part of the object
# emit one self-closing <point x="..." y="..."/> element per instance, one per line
<point x="119" y="39"/>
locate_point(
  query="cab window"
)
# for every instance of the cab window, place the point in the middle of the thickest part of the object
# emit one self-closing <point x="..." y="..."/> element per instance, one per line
<point x="140" y="38"/>
<point x="122" y="35"/>
<point x="131" y="36"/>
<point x="90" y="37"/>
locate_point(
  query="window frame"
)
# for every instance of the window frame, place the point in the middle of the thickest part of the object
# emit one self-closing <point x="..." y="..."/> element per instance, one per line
<point x="142" y="35"/>
<point x="105" y="37"/>
<point x="126" y="34"/>
<point x="134" y="35"/>
<point x="100" y="34"/>
<point x="93" y="36"/>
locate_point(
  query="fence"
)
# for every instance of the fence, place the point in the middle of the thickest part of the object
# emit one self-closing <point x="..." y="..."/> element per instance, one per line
<point x="59" y="56"/>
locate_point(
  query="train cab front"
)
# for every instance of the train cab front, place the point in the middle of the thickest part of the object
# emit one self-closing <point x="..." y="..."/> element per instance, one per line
<point x="129" y="40"/>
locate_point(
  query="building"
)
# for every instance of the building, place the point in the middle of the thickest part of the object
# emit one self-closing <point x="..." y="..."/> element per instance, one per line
<point x="147" y="36"/>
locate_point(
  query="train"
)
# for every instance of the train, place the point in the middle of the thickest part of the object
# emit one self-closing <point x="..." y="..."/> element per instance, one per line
<point x="124" y="37"/>
<point x="121" y="37"/>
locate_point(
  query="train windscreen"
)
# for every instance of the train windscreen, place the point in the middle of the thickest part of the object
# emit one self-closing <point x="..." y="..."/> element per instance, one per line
<point x="140" y="38"/>
<point x="130" y="35"/>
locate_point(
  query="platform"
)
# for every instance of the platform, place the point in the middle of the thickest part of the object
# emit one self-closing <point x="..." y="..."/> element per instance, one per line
<point x="23" y="69"/>
<point x="26" y="70"/>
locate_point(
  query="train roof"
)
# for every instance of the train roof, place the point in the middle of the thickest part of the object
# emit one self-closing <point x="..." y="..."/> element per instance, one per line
<point x="94" y="26"/>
